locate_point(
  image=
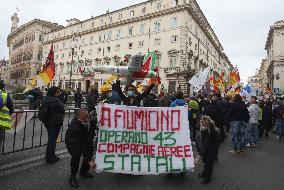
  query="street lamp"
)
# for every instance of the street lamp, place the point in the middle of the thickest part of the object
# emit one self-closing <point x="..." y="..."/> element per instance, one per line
<point x="72" y="51"/>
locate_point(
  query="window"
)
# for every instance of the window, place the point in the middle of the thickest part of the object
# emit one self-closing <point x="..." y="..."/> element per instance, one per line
<point x="110" y="19"/>
<point x="131" y="14"/>
<point x="40" y="38"/>
<point x="174" y="3"/>
<point x="173" y="61"/>
<point x="130" y="31"/>
<point x="91" y="39"/>
<point x="102" y="22"/>
<point x="174" y="22"/>
<point x="189" y="41"/>
<point x="100" y="38"/>
<point x="141" y="43"/>
<point x="157" y="26"/>
<point x="159" y="6"/>
<point x="174" y="38"/>
<point x="195" y="47"/>
<point x="130" y="45"/>
<point x="117" y="47"/>
<point x="118" y="35"/>
<point x="108" y="48"/>
<point x="109" y="35"/>
<point x="144" y="10"/>
<point x="99" y="50"/>
<point x="90" y="52"/>
<point x="158" y="60"/>
<point x="62" y="56"/>
<point x="142" y="28"/>
<point x="63" y="45"/>
<point x="93" y="25"/>
<point x="120" y="16"/>
<point x="157" y="41"/>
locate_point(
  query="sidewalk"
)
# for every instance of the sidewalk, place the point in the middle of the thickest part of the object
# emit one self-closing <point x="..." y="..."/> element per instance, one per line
<point x="260" y="168"/>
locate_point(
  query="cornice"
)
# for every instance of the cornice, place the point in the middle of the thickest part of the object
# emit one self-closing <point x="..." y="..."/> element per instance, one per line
<point x="141" y="18"/>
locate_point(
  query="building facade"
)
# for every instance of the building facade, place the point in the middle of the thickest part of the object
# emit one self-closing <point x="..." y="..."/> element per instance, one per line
<point x="275" y="57"/>
<point x="5" y="72"/>
<point x="176" y="30"/>
<point x="255" y="80"/>
<point x="25" y="49"/>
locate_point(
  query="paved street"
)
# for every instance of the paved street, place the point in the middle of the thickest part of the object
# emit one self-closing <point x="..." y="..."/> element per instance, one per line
<point x="260" y="168"/>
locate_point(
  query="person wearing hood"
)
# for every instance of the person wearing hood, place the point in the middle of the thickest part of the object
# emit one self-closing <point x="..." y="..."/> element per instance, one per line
<point x="193" y="117"/>
<point x="105" y="97"/>
<point x="179" y="100"/>
<point x="133" y="98"/>
<point x="55" y="109"/>
<point x="251" y="131"/>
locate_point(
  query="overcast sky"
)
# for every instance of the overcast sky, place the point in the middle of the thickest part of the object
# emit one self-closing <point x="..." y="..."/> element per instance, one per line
<point x="241" y="25"/>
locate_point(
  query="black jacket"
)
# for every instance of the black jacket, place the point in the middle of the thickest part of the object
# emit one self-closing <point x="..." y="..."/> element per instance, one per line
<point x="77" y="139"/>
<point x="238" y="112"/>
<point x="213" y="110"/>
<point x="267" y="114"/>
<point x="278" y="112"/>
<point x="150" y="101"/>
<point x="55" y="112"/>
<point x="92" y="100"/>
<point x="136" y="99"/>
<point x="209" y="145"/>
<point x="78" y="97"/>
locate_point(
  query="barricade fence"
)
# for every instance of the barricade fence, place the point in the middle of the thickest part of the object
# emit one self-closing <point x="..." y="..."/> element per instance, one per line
<point x="29" y="132"/>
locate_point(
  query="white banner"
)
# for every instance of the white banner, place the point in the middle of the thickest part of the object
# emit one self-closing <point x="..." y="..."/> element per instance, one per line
<point x="199" y="80"/>
<point x="143" y="141"/>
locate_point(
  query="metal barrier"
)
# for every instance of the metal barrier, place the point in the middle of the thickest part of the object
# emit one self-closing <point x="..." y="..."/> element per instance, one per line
<point x="29" y="132"/>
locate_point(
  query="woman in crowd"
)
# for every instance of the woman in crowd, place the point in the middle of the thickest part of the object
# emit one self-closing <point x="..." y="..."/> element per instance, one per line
<point x="208" y="147"/>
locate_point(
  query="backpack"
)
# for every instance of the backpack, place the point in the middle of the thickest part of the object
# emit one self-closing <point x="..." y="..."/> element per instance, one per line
<point x="43" y="112"/>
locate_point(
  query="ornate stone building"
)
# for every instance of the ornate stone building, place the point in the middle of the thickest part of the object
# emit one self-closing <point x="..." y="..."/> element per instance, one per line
<point x="25" y="48"/>
<point x="176" y="29"/>
<point x="255" y="80"/>
<point x="275" y="56"/>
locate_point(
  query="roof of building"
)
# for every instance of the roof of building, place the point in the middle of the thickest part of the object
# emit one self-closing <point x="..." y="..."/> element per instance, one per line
<point x="278" y="24"/>
<point x="22" y="27"/>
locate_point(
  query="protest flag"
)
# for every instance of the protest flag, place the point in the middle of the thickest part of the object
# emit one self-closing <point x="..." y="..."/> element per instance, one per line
<point x="46" y="75"/>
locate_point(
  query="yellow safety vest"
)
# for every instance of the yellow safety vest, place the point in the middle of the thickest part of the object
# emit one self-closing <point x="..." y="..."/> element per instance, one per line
<point x="5" y="118"/>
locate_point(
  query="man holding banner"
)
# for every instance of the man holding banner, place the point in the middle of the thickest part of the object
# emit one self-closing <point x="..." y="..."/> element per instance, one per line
<point x="143" y="141"/>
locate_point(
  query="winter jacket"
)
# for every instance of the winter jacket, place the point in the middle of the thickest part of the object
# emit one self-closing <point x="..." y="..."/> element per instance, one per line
<point x="278" y="112"/>
<point x="92" y="100"/>
<point x="132" y="101"/>
<point x="77" y="139"/>
<point x="253" y="112"/>
<point x="78" y="97"/>
<point x="150" y="101"/>
<point x="209" y="144"/>
<point x="214" y="112"/>
<point x="178" y="102"/>
<point x="164" y="101"/>
<point x="55" y="112"/>
<point x="267" y="114"/>
<point x="238" y="112"/>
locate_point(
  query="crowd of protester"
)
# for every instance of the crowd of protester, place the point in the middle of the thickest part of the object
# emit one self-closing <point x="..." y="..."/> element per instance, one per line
<point x="212" y="119"/>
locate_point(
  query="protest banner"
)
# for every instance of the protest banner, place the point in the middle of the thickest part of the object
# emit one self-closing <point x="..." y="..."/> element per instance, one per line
<point x="143" y="141"/>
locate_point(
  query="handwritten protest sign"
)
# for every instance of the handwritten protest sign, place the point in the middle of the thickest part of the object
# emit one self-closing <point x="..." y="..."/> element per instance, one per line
<point x="143" y="141"/>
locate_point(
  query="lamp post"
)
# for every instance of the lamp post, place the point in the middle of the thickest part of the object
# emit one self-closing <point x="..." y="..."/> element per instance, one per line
<point x="72" y="51"/>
